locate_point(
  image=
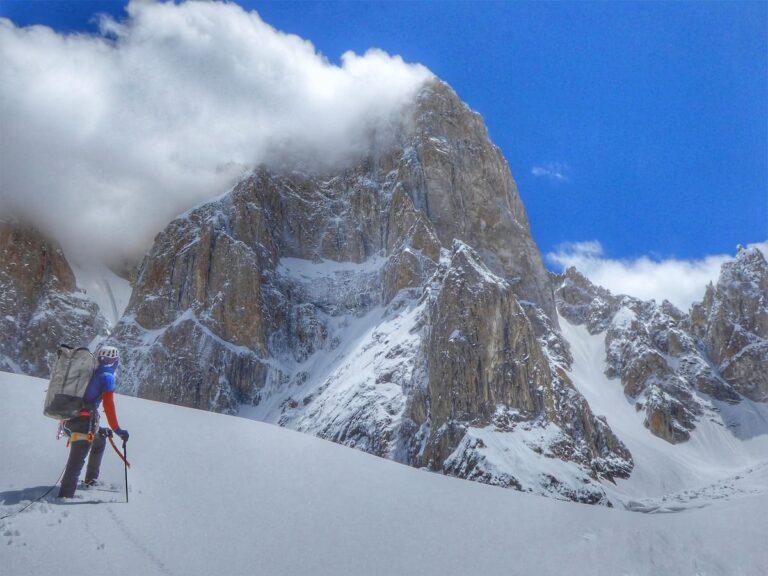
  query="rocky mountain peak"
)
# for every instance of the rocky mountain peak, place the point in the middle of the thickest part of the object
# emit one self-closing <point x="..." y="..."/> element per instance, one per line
<point x="581" y="302"/>
<point x="731" y="323"/>
<point x="490" y="378"/>
<point x="463" y="184"/>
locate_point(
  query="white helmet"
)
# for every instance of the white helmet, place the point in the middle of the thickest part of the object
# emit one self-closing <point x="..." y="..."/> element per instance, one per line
<point x="108" y="355"/>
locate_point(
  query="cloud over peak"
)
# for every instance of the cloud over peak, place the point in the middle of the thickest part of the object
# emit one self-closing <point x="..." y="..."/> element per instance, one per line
<point x="682" y="282"/>
<point x="108" y="136"/>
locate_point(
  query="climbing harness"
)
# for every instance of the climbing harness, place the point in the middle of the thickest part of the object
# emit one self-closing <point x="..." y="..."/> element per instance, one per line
<point x="79" y="436"/>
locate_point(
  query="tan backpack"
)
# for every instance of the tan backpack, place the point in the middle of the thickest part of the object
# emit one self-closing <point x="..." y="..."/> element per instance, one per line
<point x="71" y="373"/>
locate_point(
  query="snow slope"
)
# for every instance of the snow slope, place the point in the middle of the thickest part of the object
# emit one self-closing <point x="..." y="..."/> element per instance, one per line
<point x="715" y="462"/>
<point x="109" y="291"/>
<point x="351" y="386"/>
<point x="212" y="494"/>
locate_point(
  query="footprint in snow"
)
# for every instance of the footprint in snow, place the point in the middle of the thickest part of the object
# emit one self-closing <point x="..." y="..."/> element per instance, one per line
<point x="11" y="534"/>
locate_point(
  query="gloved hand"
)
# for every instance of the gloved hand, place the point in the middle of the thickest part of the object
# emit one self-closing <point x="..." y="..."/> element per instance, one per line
<point x="122" y="433"/>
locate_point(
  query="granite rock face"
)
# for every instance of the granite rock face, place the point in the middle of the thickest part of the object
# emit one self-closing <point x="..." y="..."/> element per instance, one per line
<point x="462" y="183"/>
<point x="482" y="349"/>
<point x="194" y="332"/>
<point x="40" y="304"/>
<point x="490" y="377"/>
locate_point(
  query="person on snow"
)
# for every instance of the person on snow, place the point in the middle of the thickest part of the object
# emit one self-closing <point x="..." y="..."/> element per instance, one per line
<point x="84" y="431"/>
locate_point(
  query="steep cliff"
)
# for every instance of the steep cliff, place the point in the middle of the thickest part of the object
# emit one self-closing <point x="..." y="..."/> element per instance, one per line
<point x="493" y="387"/>
<point x="40" y="304"/>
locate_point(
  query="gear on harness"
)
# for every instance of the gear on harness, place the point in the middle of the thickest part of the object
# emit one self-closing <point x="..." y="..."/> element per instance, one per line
<point x="79" y="436"/>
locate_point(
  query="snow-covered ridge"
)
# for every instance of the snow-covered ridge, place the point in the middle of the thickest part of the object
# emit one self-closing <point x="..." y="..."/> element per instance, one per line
<point x="525" y="458"/>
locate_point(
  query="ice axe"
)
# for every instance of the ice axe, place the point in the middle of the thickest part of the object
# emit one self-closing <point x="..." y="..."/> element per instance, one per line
<point x="125" y="461"/>
<point x="124" y="457"/>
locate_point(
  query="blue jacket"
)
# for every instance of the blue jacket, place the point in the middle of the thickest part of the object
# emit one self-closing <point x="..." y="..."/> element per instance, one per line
<point x="103" y="380"/>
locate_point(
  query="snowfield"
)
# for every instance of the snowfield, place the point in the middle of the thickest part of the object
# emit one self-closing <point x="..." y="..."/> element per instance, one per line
<point x="213" y="494"/>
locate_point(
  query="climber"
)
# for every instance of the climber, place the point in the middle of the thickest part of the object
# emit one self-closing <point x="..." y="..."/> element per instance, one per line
<point x="84" y="432"/>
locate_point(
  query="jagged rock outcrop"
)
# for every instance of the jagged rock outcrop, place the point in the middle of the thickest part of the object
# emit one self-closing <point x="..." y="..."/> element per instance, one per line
<point x="645" y="349"/>
<point x="670" y="363"/>
<point x="40" y="304"/>
<point x="647" y="373"/>
<point x="732" y="323"/>
<point x="581" y="302"/>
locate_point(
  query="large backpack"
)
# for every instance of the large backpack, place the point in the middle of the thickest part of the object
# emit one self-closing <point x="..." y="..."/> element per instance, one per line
<point x="69" y="379"/>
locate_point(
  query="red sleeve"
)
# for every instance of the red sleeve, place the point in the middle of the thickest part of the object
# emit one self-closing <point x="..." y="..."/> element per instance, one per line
<point x="109" y="409"/>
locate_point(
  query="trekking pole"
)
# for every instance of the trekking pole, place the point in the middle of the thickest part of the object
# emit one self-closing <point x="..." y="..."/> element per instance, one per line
<point x="125" y="462"/>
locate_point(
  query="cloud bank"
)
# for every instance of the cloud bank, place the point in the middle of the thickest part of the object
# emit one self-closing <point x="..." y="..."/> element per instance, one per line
<point x="682" y="282"/>
<point x="106" y="137"/>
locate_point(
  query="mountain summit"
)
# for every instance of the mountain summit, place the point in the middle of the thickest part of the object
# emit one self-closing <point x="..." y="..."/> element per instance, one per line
<point x="356" y="306"/>
<point x="399" y="305"/>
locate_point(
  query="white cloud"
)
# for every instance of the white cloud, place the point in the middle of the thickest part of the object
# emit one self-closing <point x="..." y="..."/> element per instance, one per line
<point x="554" y="171"/>
<point x="106" y="137"/>
<point x="682" y="282"/>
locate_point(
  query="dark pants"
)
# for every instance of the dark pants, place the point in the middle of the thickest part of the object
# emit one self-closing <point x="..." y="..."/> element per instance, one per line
<point x="78" y="452"/>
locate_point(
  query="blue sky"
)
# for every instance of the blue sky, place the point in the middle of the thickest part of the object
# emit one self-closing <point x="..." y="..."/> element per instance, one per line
<point x="643" y="126"/>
